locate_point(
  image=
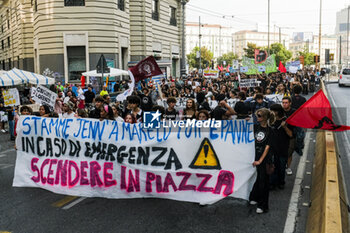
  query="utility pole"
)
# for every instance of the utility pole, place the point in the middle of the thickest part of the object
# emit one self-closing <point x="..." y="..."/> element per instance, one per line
<point x="268" y="30"/>
<point x="200" y="49"/>
<point x="320" y="37"/>
<point x="347" y="34"/>
<point x="340" y="50"/>
<point x="183" y="50"/>
<point x="279" y="35"/>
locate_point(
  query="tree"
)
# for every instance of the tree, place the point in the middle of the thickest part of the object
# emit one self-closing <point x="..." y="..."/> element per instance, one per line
<point x="308" y="57"/>
<point x="282" y="54"/>
<point x="250" y="50"/>
<point x="206" y="56"/>
<point x="228" y="57"/>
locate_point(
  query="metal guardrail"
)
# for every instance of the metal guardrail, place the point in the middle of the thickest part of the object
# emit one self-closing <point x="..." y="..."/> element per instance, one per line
<point x="328" y="212"/>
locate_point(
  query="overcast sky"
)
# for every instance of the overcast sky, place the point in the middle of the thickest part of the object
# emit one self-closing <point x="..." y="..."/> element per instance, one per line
<point x="298" y="15"/>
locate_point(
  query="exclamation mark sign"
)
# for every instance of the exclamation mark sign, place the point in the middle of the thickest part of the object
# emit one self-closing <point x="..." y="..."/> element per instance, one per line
<point x="206" y="150"/>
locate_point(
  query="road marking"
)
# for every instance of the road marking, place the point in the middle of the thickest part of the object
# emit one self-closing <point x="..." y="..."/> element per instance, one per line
<point x="4" y="165"/>
<point x="74" y="203"/>
<point x="4" y="153"/>
<point x="294" y="199"/>
<point x="64" y="201"/>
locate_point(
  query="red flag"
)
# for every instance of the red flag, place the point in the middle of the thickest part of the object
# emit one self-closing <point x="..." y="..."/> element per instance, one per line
<point x="82" y="80"/>
<point x="316" y="113"/>
<point x="220" y="68"/>
<point x="281" y="68"/>
<point x="146" y="68"/>
<point x="228" y="68"/>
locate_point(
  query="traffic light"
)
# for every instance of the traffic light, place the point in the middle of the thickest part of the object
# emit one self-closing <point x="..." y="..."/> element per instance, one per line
<point x="327" y="56"/>
<point x="316" y="58"/>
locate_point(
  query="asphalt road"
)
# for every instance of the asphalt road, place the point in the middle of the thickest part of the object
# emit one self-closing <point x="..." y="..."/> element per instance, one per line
<point x="36" y="210"/>
<point x="340" y="100"/>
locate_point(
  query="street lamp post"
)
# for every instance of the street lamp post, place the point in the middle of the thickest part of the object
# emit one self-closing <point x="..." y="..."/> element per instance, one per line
<point x="320" y="37"/>
<point x="268" y="28"/>
<point x="200" y="49"/>
<point x="183" y="50"/>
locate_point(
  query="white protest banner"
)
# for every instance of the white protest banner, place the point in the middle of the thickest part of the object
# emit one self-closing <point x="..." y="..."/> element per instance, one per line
<point x="42" y="95"/>
<point x="11" y="97"/>
<point x="92" y="158"/>
<point x="211" y="73"/>
<point x="248" y="83"/>
<point x="275" y="98"/>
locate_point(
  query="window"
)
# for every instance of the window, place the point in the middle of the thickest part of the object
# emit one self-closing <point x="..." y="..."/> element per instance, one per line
<point x="76" y="62"/>
<point x="8" y="19"/>
<point x="173" y="16"/>
<point x="10" y="65"/>
<point x="34" y="5"/>
<point x="3" y="65"/>
<point x="74" y="2"/>
<point x="121" y="5"/>
<point x="2" y="26"/>
<point x="155" y="10"/>
<point x="2" y="44"/>
<point x="8" y="42"/>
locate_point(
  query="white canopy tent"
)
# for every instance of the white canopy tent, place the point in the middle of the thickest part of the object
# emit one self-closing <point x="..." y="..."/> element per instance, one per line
<point x="113" y="72"/>
<point x="18" y="77"/>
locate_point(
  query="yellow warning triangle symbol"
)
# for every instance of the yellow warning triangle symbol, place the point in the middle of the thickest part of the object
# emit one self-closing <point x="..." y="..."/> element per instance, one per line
<point x="206" y="157"/>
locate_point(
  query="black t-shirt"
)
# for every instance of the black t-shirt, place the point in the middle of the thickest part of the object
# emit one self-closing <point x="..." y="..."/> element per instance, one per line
<point x="297" y="101"/>
<point x="95" y="113"/>
<point x="146" y="103"/>
<point x="263" y="137"/>
<point x="288" y="114"/>
<point x="280" y="139"/>
<point x="171" y="115"/>
<point x="203" y="105"/>
<point x="89" y="96"/>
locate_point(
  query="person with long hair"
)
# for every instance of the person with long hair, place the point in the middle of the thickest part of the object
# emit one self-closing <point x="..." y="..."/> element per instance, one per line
<point x="263" y="134"/>
<point x="106" y="113"/>
<point x="190" y="110"/>
<point x="44" y="111"/>
<point x="130" y="118"/>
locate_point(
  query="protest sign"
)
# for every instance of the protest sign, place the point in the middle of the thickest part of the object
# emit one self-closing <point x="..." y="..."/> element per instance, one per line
<point x="42" y="95"/>
<point x="210" y="73"/>
<point x="11" y="97"/>
<point x="249" y="83"/>
<point x="262" y="68"/>
<point x="92" y="158"/>
<point x="235" y="64"/>
<point x="244" y="69"/>
<point x="269" y="63"/>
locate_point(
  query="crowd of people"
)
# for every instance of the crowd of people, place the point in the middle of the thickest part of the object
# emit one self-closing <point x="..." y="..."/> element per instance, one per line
<point x="275" y="140"/>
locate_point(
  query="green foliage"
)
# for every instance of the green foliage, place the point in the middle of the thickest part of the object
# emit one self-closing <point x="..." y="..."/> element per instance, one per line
<point x="249" y="51"/>
<point x="282" y="54"/>
<point x="206" y="56"/>
<point x="228" y="57"/>
<point x="308" y="57"/>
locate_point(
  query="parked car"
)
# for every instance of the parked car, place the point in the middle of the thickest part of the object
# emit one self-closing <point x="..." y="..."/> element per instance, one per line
<point x="344" y="77"/>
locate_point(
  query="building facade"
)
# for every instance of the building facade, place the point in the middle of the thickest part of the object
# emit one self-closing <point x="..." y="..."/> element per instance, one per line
<point x="341" y="32"/>
<point x="242" y="38"/>
<point x="214" y="37"/>
<point x="67" y="37"/>
<point x="327" y="42"/>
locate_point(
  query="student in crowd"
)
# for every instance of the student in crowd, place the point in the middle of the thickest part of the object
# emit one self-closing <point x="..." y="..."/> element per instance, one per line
<point x="44" y="111"/>
<point x="106" y="113"/>
<point x="203" y="115"/>
<point x="68" y="110"/>
<point x="241" y="108"/>
<point x="288" y="110"/>
<point x="134" y="107"/>
<point x="130" y="118"/>
<point x="95" y="113"/>
<point x="190" y="110"/>
<point x="280" y="145"/>
<point x="116" y="114"/>
<point x="171" y="113"/>
<point x="263" y="140"/>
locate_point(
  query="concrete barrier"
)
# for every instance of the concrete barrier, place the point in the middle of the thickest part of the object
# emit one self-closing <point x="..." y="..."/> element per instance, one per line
<point x="328" y="211"/>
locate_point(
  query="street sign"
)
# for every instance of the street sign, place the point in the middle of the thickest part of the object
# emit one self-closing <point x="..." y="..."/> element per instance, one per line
<point x="101" y="66"/>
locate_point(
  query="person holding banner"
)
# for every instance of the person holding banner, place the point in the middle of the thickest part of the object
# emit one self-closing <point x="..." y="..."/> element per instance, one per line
<point x="44" y="111"/>
<point x="189" y="112"/>
<point x="263" y="140"/>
